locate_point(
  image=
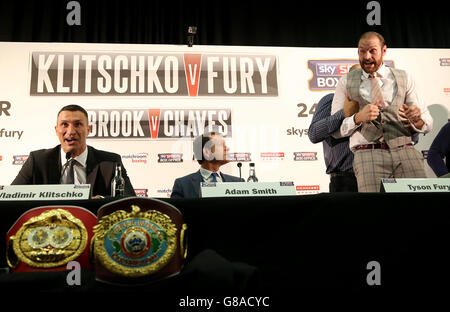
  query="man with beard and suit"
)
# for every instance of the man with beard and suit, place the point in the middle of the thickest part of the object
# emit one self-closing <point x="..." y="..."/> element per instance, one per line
<point x="90" y="166"/>
<point x="210" y="151"/>
<point x="390" y="113"/>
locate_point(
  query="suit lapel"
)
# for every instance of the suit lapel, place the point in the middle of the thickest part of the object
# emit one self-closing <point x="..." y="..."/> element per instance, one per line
<point x="91" y="167"/>
<point x="224" y="179"/>
<point x="54" y="159"/>
<point x="195" y="183"/>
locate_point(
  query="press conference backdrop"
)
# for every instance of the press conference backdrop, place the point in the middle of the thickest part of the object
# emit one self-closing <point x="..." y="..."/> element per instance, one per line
<point x="147" y="102"/>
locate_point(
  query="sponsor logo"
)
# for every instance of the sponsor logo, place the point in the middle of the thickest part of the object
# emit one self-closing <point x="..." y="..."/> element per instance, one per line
<point x="307" y="189"/>
<point x="272" y="156"/>
<point x="1" y="157"/>
<point x="19" y="159"/>
<point x="16" y="134"/>
<point x="326" y="73"/>
<point x="141" y="192"/>
<point x="297" y="132"/>
<point x="445" y="61"/>
<point x="157" y="124"/>
<point x="447" y="91"/>
<point x="239" y="156"/>
<point x="137" y="158"/>
<point x="170" y="157"/>
<point x="305" y="156"/>
<point x="165" y="192"/>
<point x="158" y="74"/>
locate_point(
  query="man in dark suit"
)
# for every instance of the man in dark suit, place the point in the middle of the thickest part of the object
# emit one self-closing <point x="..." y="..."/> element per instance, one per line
<point x="90" y="166"/>
<point x="210" y="151"/>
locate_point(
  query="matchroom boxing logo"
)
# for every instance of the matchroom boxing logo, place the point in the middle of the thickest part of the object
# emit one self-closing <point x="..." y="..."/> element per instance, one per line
<point x="156" y="123"/>
<point x="326" y="73"/>
<point x="153" y="74"/>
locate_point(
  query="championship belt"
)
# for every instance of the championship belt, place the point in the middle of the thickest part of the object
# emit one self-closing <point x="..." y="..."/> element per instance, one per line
<point x="138" y="240"/>
<point x="47" y="238"/>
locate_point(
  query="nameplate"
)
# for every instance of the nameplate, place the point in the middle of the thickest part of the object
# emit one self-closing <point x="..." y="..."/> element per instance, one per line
<point x="244" y="189"/>
<point x="415" y="185"/>
<point x="45" y="192"/>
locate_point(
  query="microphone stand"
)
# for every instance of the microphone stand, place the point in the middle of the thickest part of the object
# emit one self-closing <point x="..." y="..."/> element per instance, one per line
<point x="239" y="164"/>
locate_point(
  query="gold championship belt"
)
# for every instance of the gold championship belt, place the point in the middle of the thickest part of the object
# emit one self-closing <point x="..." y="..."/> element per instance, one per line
<point x="47" y="238"/>
<point x="138" y="240"/>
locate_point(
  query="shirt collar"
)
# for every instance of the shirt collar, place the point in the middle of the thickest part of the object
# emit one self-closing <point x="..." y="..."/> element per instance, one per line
<point x="81" y="159"/>
<point x="381" y="72"/>
<point x="206" y="173"/>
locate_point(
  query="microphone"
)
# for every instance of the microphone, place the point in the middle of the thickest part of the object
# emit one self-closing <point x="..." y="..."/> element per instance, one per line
<point x="239" y="164"/>
<point x="68" y="154"/>
<point x="392" y="175"/>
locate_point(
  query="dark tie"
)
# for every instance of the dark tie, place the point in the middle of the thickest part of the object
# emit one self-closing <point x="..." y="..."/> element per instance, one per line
<point x="214" y="176"/>
<point x="70" y="178"/>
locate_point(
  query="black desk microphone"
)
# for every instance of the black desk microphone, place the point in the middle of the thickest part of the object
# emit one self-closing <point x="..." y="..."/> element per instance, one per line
<point x="239" y="164"/>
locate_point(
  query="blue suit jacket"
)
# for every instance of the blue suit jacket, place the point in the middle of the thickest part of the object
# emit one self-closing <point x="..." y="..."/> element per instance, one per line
<point x="189" y="186"/>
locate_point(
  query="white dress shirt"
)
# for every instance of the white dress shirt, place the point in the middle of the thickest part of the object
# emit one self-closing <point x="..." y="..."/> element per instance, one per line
<point x="79" y="167"/>
<point x="207" y="175"/>
<point x="389" y="90"/>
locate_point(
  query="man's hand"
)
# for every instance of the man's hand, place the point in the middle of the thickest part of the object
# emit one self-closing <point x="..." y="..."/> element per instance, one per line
<point x="402" y="117"/>
<point x="350" y="107"/>
<point x="368" y="113"/>
<point x="412" y="114"/>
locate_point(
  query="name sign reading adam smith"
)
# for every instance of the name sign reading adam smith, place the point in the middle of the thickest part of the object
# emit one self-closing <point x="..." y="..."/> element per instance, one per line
<point x="243" y="189"/>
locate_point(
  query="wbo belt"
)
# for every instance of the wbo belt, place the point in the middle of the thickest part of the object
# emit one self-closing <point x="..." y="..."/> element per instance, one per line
<point x="138" y="240"/>
<point x="377" y="146"/>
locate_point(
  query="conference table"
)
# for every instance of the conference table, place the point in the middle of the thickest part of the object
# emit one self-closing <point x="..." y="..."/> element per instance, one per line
<point x="288" y="244"/>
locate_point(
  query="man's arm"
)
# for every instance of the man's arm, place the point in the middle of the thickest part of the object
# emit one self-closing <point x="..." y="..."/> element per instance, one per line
<point x="439" y="149"/>
<point x="415" y="109"/>
<point x="322" y="124"/>
<point x="348" y="125"/>
<point x="177" y="190"/>
<point x="25" y="175"/>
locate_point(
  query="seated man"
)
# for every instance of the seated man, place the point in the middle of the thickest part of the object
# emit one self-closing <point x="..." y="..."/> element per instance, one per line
<point x="210" y="151"/>
<point x="440" y="150"/>
<point x="90" y="166"/>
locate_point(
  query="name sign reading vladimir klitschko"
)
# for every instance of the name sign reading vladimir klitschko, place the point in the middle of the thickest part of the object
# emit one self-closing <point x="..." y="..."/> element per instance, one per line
<point x="45" y="192"/>
<point x="246" y="189"/>
<point x="157" y="74"/>
<point x="415" y="185"/>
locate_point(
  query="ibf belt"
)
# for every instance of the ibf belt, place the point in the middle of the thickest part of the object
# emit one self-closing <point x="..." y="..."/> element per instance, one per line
<point x="138" y="240"/>
<point x="47" y="238"/>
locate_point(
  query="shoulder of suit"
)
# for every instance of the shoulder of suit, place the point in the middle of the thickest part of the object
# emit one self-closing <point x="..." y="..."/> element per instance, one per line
<point x="230" y="177"/>
<point x="105" y="155"/>
<point x="46" y="151"/>
<point x="189" y="176"/>
<point x="397" y="71"/>
<point x="354" y="73"/>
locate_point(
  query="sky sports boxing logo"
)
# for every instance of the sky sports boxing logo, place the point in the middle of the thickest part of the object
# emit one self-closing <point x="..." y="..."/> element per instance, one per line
<point x="157" y="123"/>
<point x="326" y="73"/>
<point x="153" y="74"/>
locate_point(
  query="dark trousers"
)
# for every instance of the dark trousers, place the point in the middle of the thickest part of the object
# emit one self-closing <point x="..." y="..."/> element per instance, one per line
<point x="343" y="182"/>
